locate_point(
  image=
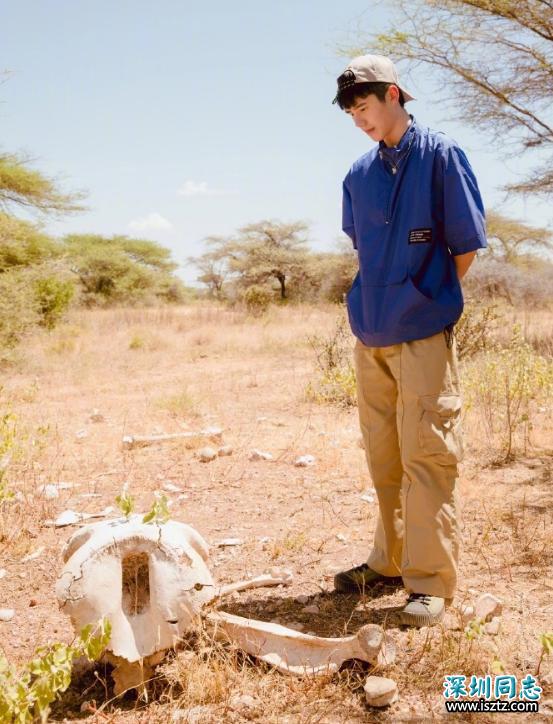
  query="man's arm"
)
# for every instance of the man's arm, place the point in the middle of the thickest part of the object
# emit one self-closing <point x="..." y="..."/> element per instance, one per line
<point x="463" y="262"/>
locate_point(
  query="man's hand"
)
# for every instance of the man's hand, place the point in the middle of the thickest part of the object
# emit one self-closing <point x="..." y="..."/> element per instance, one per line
<point x="463" y="262"/>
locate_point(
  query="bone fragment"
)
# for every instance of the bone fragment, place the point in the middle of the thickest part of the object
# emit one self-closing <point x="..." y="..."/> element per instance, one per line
<point x="275" y="578"/>
<point x="301" y="654"/>
<point x="211" y="433"/>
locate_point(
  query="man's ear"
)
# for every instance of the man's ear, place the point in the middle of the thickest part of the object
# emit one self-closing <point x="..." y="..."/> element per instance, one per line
<point x="393" y="93"/>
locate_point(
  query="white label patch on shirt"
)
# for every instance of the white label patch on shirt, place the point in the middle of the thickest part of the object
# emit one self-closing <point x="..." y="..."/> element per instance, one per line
<point x="420" y="236"/>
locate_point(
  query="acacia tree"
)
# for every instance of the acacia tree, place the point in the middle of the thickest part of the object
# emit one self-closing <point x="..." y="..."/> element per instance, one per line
<point x="213" y="265"/>
<point x="510" y="238"/>
<point x="22" y="186"/>
<point x="493" y="59"/>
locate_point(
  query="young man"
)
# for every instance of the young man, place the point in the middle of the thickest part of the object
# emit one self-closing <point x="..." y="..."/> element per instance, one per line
<point x="412" y="208"/>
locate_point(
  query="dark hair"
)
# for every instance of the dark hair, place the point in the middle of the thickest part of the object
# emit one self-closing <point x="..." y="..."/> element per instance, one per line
<point x="348" y="96"/>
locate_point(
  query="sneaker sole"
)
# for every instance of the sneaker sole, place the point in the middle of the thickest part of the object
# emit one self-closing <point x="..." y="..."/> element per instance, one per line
<point x="419" y="620"/>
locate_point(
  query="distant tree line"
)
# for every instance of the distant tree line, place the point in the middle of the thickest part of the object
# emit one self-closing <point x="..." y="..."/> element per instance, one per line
<point x="40" y="277"/>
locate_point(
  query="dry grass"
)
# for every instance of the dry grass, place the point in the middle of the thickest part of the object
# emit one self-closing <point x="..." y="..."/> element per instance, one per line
<point x="203" y="365"/>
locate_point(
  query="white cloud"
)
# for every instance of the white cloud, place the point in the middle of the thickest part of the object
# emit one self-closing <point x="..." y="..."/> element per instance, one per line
<point x="195" y="188"/>
<point x="151" y="222"/>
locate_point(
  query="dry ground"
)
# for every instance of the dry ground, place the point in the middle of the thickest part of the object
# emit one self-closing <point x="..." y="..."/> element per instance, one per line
<point x="150" y="371"/>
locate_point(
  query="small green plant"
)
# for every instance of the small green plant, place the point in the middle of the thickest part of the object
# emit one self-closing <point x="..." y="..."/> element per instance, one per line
<point x="474" y="629"/>
<point x="336" y="384"/>
<point x="125" y="501"/>
<point x="505" y="384"/>
<point x="546" y="640"/>
<point x="53" y="296"/>
<point x="26" y="694"/>
<point x="137" y="342"/>
<point x="159" y="512"/>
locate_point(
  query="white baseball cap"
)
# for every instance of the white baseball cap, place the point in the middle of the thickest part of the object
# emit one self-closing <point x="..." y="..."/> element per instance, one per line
<point x="370" y="69"/>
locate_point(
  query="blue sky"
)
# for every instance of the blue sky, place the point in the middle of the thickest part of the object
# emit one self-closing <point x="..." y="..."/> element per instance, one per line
<point x="183" y="120"/>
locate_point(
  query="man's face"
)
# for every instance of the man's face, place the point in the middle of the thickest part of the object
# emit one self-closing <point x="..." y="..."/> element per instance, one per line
<point x="374" y="117"/>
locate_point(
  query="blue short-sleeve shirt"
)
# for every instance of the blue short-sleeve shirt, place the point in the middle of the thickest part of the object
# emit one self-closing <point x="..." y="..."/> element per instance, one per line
<point x="408" y="211"/>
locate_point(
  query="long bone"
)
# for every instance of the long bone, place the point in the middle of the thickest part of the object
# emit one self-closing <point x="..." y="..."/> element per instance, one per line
<point x="302" y="654"/>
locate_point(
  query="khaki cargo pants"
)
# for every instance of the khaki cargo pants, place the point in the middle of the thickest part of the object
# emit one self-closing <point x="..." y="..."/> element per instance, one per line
<point x="409" y="412"/>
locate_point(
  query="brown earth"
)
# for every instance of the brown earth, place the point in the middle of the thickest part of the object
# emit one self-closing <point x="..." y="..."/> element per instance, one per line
<point x="149" y="371"/>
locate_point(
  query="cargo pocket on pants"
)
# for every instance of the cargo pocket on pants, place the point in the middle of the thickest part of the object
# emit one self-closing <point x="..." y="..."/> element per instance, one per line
<point x="440" y="427"/>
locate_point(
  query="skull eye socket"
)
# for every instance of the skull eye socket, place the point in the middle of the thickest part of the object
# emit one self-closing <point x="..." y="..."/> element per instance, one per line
<point x="198" y="586"/>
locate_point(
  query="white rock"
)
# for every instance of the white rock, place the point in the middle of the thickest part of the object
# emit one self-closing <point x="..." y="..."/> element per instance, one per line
<point x="170" y="488"/>
<point x="239" y="702"/>
<point x="230" y="542"/>
<point x="80" y="434"/>
<point x="2" y="572"/>
<point x="264" y="539"/>
<point x="304" y="461"/>
<point x="282" y="573"/>
<point x="380" y="691"/>
<point x="224" y="451"/>
<point x="260" y="455"/>
<point x="34" y="555"/>
<point x="50" y="492"/>
<point x="206" y="454"/>
<point x="6" y="614"/>
<point x="493" y="626"/>
<point x="70" y="517"/>
<point x="313" y="608"/>
<point x="341" y="537"/>
<point x="368" y="497"/>
<point x="487" y="607"/>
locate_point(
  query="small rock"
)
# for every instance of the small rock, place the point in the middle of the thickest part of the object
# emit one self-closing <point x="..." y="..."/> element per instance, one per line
<point x="81" y="434"/>
<point x="264" y="539"/>
<point x="487" y="607"/>
<point x="341" y="537"/>
<point x="493" y="626"/>
<point x="547" y="679"/>
<point x="296" y="626"/>
<point x="230" y="542"/>
<point x="170" y="488"/>
<point x="96" y="416"/>
<point x="313" y="608"/>
<point x="34" y="555"/>
<point x="87" y="706"/>
<point x="239" y="702"/>
<point x="2" y="572"/>
<point x="260" y="455"/>
<point x="380" y="691"/>
<point x="33" y="602"/>
<point x="282" y="573"/>
<point x="304" y="461"/>
<point x="6" y="614"/>
<point x="368" y="497"/>
<point x="224" y="451"/>
<point x="303" y="599"/>
<point x="207" y="454"/>
<point x="50" y="492"/>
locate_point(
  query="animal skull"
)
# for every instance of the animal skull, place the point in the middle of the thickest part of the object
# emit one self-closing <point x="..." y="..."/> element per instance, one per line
<point x="153" y="583"/>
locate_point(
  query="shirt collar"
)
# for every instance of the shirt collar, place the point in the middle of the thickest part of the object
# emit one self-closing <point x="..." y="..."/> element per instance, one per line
<point x="397" y="152"/>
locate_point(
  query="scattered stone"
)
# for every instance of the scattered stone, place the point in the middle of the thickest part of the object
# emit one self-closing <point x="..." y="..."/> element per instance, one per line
<point x="241" y="702"/>
<point x="224" y="451"/>
<point x="34" y="555"/>
<point x="487" y="607"/>
<point x="264" y="539"/>
<point x="304" y="461"/>
<point x="341" y="537"/>
<point x="313" y="608"/>
<point x="230" y="542"/>
<point x="71" y="517"/>
<point x="6" y="614"/>
<point x="303" y="599"/>
<point x="170" y="488"/>
<point x="81" y="434"/>
<point x="260" y="455"/>
<point x="2" y="572"/>
<point x="50" y="491"/>
<point x="296" y="626"/>
<point x="207" y="454"/>
<point x="380" y="691"/>
<point x="368" y="497"/>
<point x="493" y="626"/>
<point x="33" y="602"/>
<point x="96" y="416"/>
<point x="283" y="573"/>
